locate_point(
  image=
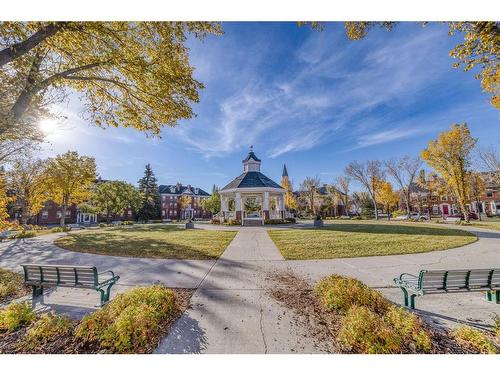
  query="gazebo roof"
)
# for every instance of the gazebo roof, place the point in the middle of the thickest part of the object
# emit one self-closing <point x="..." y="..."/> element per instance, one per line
<point x="251" y="179"/>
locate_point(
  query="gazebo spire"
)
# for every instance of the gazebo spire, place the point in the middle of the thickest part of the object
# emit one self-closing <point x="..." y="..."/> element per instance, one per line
<point x="285" y="172"/>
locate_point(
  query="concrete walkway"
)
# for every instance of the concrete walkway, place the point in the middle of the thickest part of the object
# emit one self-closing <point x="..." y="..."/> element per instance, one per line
<point x="176" y="273"/>
<point x="231" y="311"/>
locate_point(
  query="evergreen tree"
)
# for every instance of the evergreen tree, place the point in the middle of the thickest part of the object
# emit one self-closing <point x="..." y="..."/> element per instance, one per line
<point x="150" y="195"/>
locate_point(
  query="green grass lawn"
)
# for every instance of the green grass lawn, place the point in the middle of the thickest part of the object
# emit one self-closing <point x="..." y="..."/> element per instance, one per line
<point x="150" y="241"/>
<point x="489" y="223"/>
<point x="347" y="239"/>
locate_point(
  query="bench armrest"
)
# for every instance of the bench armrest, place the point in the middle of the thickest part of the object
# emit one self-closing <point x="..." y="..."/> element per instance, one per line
<point x="407" y="276"/>
<point x="112" y="279"/>
<point x="407" y="280"/>
<point x="102" y="273"/>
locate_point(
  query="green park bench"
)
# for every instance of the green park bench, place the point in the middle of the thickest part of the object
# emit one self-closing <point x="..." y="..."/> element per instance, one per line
<point x="449" y="281"/>
<point x="39" y="276"/>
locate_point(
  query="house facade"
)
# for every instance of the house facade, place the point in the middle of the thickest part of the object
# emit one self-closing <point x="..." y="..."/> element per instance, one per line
<point x="326" y="203"/>
<point x="445" y="203"/>
<point x="171" y="202"/>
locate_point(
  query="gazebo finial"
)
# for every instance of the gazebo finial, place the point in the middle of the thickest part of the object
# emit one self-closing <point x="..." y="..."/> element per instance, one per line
<point x="251" y="148"/>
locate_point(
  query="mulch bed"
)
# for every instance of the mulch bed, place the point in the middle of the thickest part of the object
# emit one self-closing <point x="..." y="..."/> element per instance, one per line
<point x="11" y="343"/>
<point x="323" y="326"/>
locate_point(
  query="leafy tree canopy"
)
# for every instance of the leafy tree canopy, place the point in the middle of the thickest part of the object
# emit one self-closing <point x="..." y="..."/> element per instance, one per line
<point x="130" y="74"/>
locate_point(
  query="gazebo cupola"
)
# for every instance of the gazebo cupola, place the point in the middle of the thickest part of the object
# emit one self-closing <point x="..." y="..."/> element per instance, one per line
<point x="251" y="163"/>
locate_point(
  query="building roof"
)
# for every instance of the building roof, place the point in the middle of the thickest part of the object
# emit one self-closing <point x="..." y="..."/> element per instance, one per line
<point x="251" y="179"/>
<point x="179" y="189"/>
<point x="251" y="155"/>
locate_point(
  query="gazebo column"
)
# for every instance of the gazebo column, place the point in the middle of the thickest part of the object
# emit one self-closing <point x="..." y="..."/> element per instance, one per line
<point x="237" y="205"/>
<point x="224" y="207"/>
<point x="282" y="206"/>
<point x="265" y="205"/>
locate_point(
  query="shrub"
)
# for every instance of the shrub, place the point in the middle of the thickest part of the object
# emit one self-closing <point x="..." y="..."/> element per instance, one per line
<point x="24" y="234"/>
<point x="11" y="284"/>
<point x="215" y="221"/>
<point x="16" y="315"/>
<point x="341" y="293"/>
<point x="407" y="326"/>
<point x="398" y="213"/>
<point x="356" y="218"/>
<point x="131" y="321"/>
<point x="60" y="229"/>
<point x="155" y="221"/>
<point x="233" y="222"/>
<point x="103" y="225"/>
<point x="496" y="320"/>
<point x="474" y="340"/>
<point x="128" y="222"/>
<point x="46" y="329"/>
<point x="363" y="331"/>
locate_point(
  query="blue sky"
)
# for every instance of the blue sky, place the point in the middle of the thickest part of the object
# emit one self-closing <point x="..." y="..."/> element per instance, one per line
<point x="312" y="100"/>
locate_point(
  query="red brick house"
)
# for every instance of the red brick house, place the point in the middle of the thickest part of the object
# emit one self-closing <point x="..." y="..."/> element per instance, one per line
<point x="170" y="196"/>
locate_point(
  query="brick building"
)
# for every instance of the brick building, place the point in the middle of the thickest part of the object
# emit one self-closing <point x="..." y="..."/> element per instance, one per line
<point x="170" y="197"/>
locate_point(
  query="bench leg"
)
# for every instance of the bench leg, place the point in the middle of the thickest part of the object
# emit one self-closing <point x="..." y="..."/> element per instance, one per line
<point x="105" y="294"/>
<point x="37" y="291"/>
<point x="409" y="299"/>
<point x="493" y="296"/>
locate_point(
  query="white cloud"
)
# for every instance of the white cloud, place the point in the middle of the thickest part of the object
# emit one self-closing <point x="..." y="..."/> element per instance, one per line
<point x="328" y="87"/>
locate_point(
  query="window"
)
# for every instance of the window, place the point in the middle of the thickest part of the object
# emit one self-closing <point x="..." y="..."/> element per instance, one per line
<point x="45" y="214"/>
<point x="58" y="214"/>
<point x="129" y="213"/>
<point x="68" y="213"/>
<point x="162" y="212"/>
<point x="489" y="194"/>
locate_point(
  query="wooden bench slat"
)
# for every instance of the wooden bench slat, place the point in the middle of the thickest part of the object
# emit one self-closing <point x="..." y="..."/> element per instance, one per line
<point x="450" y="281"/>
<point x="86" y="277"/>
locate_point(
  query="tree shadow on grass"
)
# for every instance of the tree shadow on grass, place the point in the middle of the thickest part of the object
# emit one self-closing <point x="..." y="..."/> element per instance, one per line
<point x="102" y="243"/>
<point x="393" y="229"/>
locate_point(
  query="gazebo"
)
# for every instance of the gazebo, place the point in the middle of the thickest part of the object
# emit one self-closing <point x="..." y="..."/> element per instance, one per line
<point x="252" y="197"/>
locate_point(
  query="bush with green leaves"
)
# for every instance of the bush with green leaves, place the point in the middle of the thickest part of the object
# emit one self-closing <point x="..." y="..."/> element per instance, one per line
<point x="131" y="322"/>
<point x="16" y="315"/>
<point x="24" y="234"/>
<point x="408" y="327"/>
<point x="363" y="331"/>
<point x="496" y="320"/>
<point x="398" y="213"/>
<point x="46" y="329"/>
<point x="11" y="284"/>
<point x="340" y="293"/>
<point x="474" y="340"/>
<point x="60" y="229"/>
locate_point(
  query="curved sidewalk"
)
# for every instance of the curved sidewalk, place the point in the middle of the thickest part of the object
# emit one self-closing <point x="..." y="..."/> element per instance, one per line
<point x="231" y="312"/>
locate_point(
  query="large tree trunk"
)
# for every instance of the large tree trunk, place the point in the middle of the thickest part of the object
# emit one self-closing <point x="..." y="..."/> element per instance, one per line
<point x="24" y="214"/>
<point x="375" y="206"/>
<point x="62" y="222"/>
<point x="14" y="51"/>
<point x="407" y="199"/>
<point x="30" y="89"/>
